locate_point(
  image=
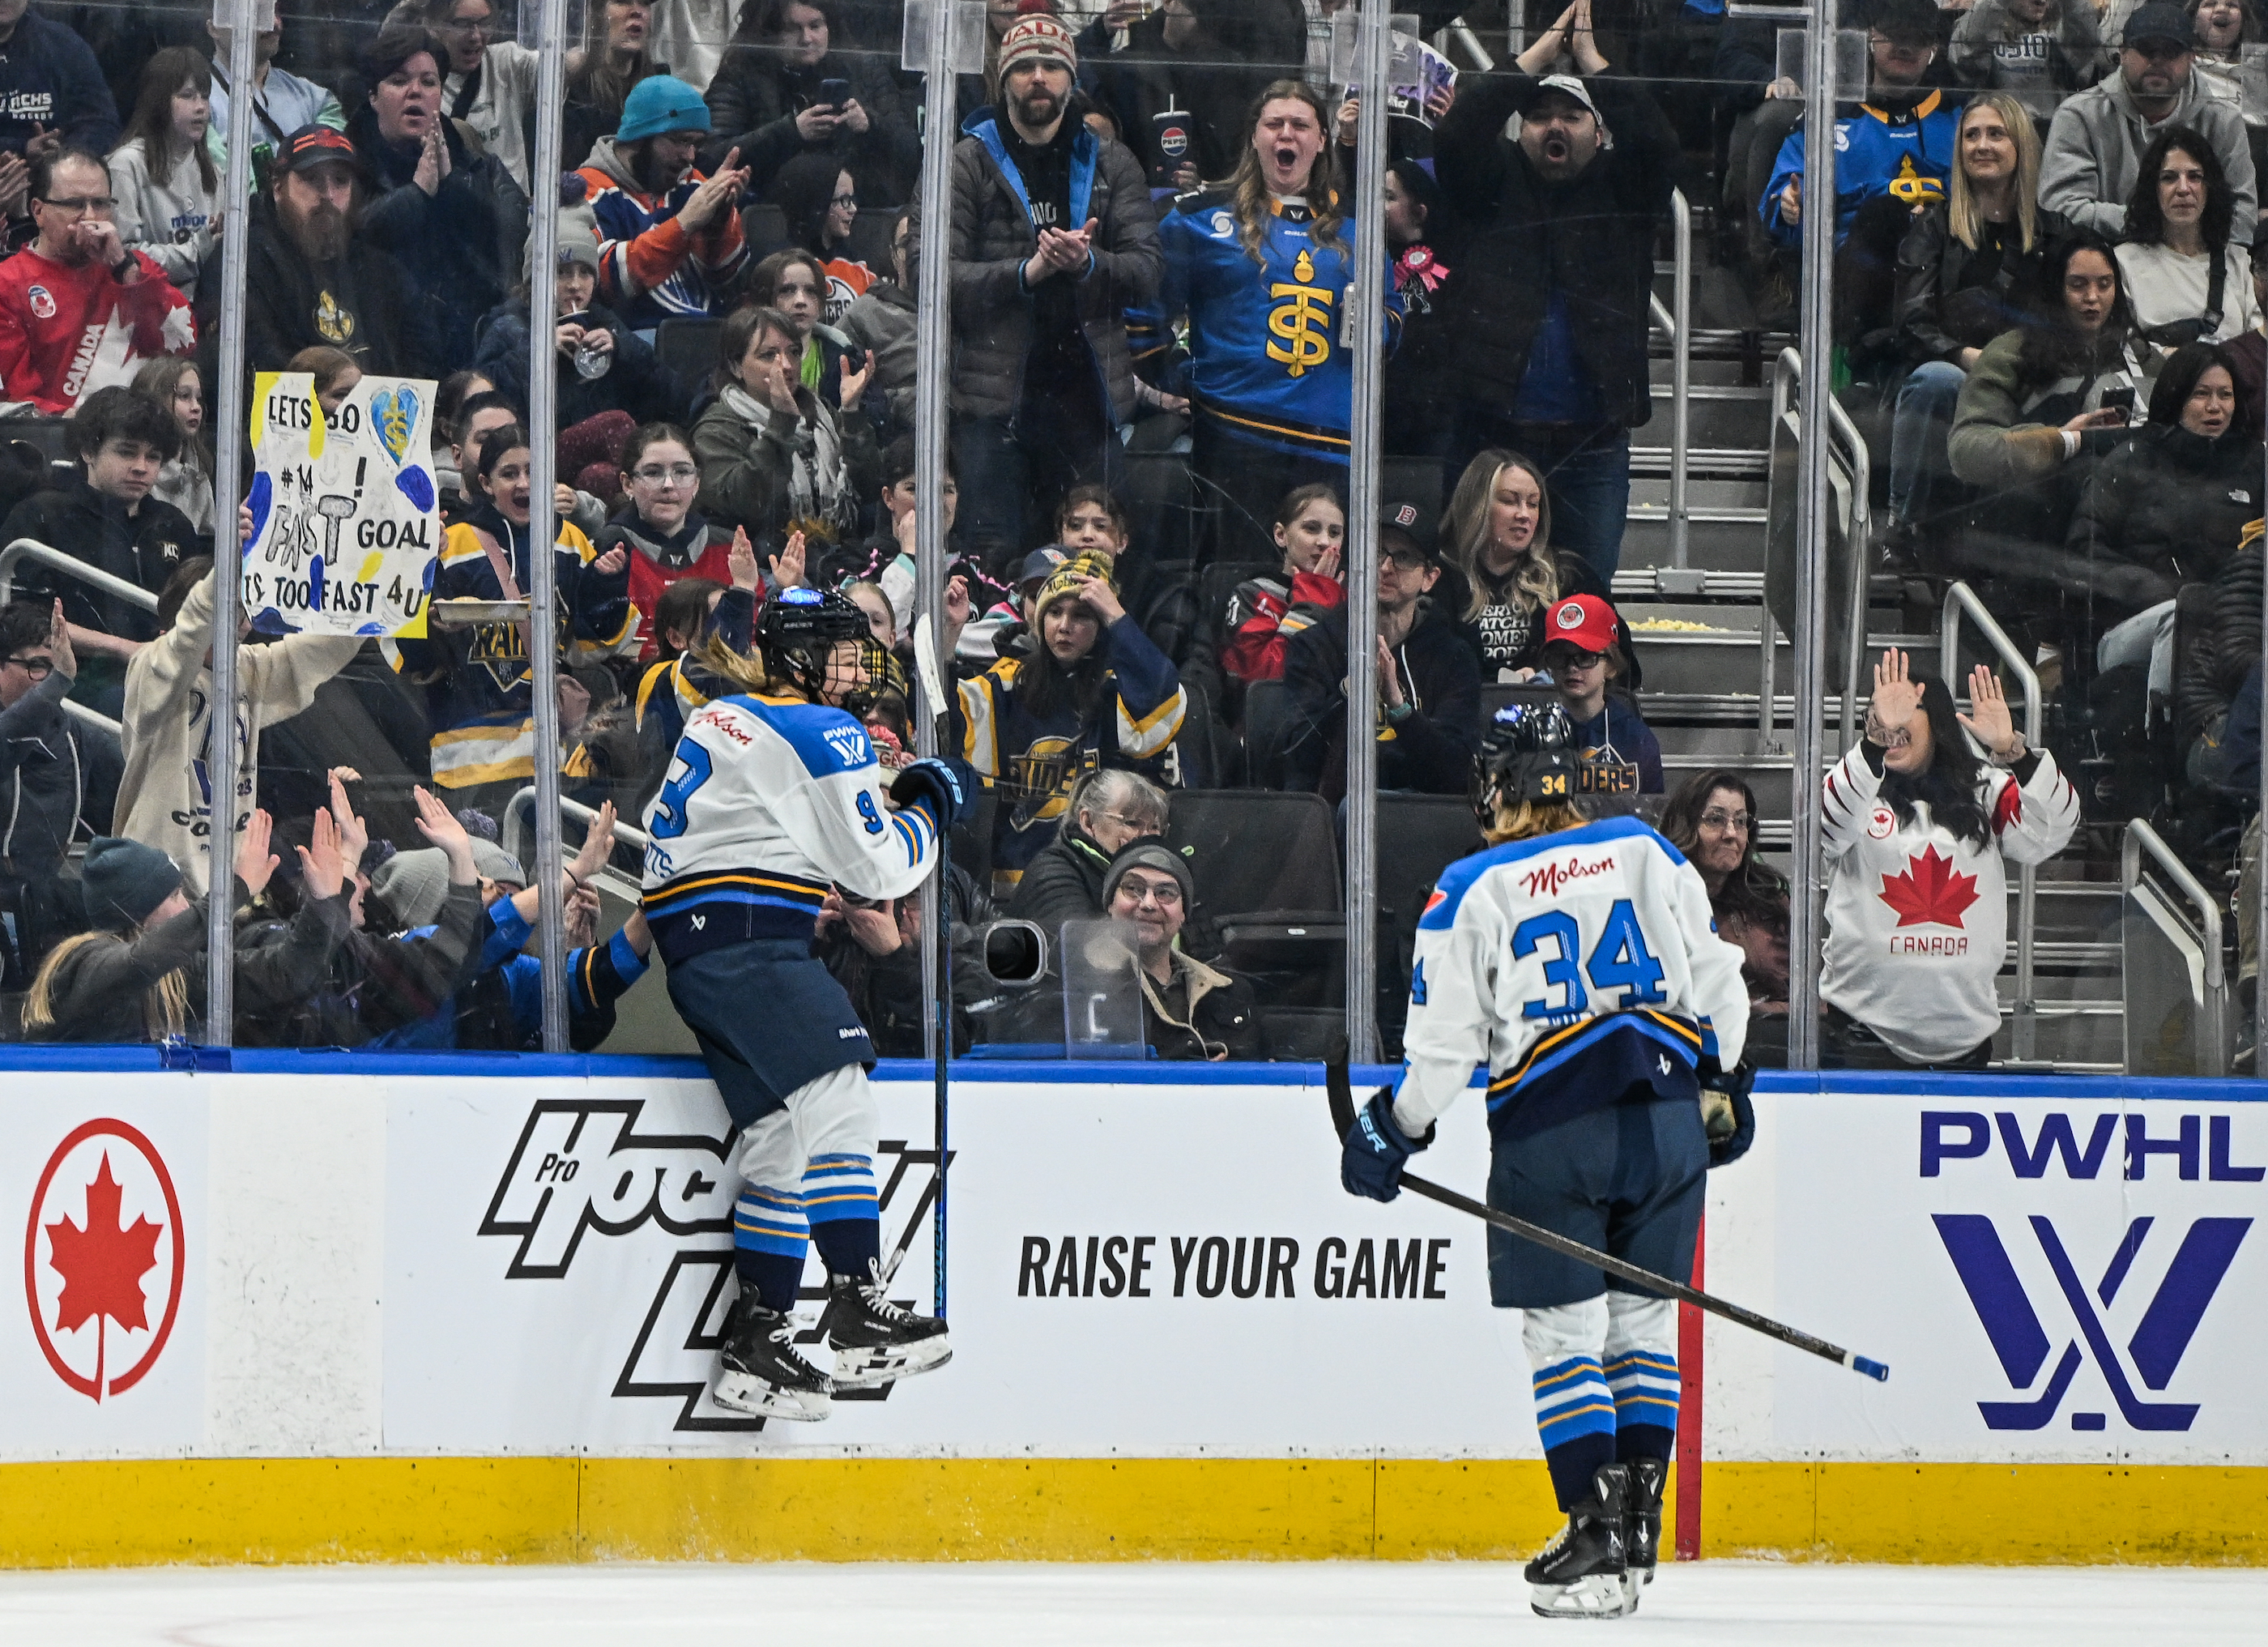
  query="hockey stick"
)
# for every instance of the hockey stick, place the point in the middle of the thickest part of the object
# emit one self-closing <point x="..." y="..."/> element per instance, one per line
<point x="1342" y="1098"/>
<point x="932" y="686"/>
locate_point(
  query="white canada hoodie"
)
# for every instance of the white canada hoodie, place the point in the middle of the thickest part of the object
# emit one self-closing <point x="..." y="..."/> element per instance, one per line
<point x="1916" y="920"/>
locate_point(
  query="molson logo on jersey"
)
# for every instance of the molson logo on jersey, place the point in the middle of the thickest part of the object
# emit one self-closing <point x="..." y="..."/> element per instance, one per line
<point x="1304" y="322"/>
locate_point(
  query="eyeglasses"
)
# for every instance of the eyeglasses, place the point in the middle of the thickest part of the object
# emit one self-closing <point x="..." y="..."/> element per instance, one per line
<point x="1717" y="818"/>
<point x="1140" y="826"/>
<point x="845" y="203"/>
<point x="675" y="474"/>
<point x="38" y="668"/>
<point x="79" y="205"/>
<point x="1576" y="658"/>
<point x="1166" y="896"/>
<point x="1401" y="560"/>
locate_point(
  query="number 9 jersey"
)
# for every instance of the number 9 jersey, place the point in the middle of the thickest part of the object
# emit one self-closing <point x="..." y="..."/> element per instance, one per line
<point x="1573" y="965"/>
<point x="767" y="802"/>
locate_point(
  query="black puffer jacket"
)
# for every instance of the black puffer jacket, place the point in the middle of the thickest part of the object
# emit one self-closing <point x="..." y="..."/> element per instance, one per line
<point x="1590" y="239"/>
<point x="96" y="990"/>
<point x="2217" y="652"/>
<point x="1065" y="882"/>
<point x="992" y="237"/>
<point x="2164" y="510"/>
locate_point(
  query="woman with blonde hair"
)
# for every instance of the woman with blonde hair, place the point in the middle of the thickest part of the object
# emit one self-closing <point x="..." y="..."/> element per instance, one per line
<point x="1963" y="272"/>
<point x="1263" y="265"/>
<point x="1496" y="538"/>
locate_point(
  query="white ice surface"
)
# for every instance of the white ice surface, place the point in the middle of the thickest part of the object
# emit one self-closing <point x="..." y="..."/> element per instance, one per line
<point x="1305" y="1603"/>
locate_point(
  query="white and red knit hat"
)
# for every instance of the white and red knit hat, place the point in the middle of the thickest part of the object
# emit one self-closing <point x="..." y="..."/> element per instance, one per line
<point x="1038" y="33"/>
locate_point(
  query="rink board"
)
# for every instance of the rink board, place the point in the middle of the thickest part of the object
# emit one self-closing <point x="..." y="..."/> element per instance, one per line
<point x="323" y="1307"/>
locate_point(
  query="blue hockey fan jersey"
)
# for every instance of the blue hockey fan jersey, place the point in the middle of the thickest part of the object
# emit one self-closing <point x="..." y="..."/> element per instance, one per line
<point x="1269" y="358"/>
<point x="1906" y="152"/>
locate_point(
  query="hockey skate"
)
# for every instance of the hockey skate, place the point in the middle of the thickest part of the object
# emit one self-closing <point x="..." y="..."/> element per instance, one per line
<point x="1641" y="1524"/>
<point x="759" y="1371"/>
<point x="1580" y="1573"/>
<point x="874" y="1341"/>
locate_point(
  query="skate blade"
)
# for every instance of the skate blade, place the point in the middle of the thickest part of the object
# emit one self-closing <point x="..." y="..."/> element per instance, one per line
<point x="1634" y="1582"/>
<point x="745" y="1393"/>
<point x="1597" y="1596"/>
<point x="868" y="1368"/>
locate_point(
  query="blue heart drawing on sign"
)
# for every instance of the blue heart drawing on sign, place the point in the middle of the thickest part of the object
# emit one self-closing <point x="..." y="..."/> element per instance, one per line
<point x="394" y="412"/>
<point x="261" y="499"/>
<point x="417" y="486"/>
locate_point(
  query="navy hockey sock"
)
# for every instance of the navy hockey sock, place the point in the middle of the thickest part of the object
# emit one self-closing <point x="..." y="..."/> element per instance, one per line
<point x="769" y="1237"/>
<point x="838" y="1196"/>
<point x="1645" y="1387"/>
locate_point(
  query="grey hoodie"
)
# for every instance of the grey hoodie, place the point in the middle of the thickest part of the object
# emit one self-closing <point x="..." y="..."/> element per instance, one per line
<point x="2094" y="150"/>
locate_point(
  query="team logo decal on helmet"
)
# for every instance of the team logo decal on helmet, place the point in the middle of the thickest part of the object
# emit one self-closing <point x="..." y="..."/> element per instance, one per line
<point x="797" y="633"/>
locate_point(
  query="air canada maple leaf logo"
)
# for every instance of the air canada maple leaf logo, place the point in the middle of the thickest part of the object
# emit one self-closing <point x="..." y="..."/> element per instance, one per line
<point x="1930" y="892"/>
<point x="105" y="1230"/>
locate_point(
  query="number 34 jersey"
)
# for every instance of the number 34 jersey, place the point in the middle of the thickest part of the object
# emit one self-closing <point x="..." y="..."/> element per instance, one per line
<point x="767" y="802"/>
<point x="1572" y="965"/>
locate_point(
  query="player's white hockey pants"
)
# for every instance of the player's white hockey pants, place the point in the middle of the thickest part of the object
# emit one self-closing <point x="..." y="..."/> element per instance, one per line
<point x="808" y="1174"/>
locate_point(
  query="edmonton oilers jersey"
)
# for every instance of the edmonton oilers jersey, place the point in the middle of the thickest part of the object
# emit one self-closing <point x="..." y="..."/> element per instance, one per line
<point x="1269" y="360"/>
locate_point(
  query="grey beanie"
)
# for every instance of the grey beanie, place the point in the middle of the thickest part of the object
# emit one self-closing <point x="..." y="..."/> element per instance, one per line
<point x="413" y="885"/>
<point x="492" y="862"/>
<point x="1150" y="852"/>
<point x="121" y="880"/>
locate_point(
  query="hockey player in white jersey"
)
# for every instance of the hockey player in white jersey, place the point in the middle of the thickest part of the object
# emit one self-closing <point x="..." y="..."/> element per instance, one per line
<point x="774" y="796"/>
<point x="1577" y="962"/>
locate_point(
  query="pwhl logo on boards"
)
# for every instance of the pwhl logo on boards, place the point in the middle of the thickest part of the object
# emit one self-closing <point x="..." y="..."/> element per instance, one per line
<point x="2162" y="1326"/>
<point x="104" y="1258"/>
<point x="583" y="1167"/>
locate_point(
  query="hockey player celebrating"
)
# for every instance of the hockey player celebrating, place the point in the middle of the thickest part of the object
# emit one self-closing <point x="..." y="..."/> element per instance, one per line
<point x="1577" y="961"/>
<point x="773" y="796"/>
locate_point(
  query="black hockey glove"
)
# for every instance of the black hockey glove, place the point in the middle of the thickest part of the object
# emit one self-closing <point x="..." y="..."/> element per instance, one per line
<point x="1376" y="1147"/>
<point x="1726" y="1114"/>
<point x="946" y="787"/>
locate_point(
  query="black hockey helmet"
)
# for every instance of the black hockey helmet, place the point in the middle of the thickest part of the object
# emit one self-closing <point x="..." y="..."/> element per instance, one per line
<point x="1529" y="752"/>
<point x="798" y="633"/>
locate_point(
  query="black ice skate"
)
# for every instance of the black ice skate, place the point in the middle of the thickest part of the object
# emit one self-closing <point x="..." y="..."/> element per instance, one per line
<point x="1580" y="1573"/>
<point x="1641" y="1524"/>
<point x="759" y="1371"/>
<point x="873" y="1341"/>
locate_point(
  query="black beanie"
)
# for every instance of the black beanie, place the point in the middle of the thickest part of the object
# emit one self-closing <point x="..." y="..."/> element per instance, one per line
<point x="122" y="881"/>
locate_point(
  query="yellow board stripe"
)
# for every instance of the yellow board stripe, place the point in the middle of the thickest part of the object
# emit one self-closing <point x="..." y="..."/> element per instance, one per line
<point x="111" y="1513"/>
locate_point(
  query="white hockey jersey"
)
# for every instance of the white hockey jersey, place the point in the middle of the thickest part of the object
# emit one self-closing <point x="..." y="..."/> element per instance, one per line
<point x="1534" y="953"/>
<point x="1918" y="921"/>
<point x="767" y="802"/>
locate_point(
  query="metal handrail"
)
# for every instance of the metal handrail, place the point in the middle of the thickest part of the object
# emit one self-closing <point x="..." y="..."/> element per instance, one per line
<point x="2141" y="838"/>
<point x="520" y="813"/>
<point x="1677" y="320"/>
<point x="71" y="565"/>
<point x="1961" y="600"/>
<point x="1787" y="371"/>
<point x="81" y="712"/>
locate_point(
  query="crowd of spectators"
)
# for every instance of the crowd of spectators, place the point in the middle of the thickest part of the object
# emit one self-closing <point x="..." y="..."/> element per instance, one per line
<point x="2046" y="312"/>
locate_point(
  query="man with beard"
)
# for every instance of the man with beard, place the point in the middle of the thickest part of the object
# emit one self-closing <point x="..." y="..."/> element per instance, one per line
<point x="310" y="283"/>
<point x="1053" y="239"/>
<point x="2094" y="145"/>
<point x="669" y="238"/>
<point x="79" y="312"/>
<point x="1549" y="302"/>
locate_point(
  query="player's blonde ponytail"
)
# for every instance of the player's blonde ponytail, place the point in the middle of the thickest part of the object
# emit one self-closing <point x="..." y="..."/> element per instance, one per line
<point x="1524" y="820"/>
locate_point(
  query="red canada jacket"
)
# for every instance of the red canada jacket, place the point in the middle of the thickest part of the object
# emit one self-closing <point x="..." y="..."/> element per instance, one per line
<point x="68" y="329"/>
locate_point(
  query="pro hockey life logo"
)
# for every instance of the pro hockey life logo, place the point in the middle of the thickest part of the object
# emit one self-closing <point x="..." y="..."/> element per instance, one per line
<point x="582" y="1167"/>
<point x="2156" y="1319"/>
<point x="104" y="1258"/>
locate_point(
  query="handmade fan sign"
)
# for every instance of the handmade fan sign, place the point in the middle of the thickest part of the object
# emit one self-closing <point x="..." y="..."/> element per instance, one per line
<point x="346" y="527"/>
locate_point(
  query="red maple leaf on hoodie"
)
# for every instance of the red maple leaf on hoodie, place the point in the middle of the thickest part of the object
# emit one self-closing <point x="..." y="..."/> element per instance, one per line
<point x="1931" y="893"/>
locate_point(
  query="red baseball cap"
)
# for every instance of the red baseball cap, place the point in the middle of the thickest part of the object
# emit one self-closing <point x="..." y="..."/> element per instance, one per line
<point x="1582" y="620"/>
